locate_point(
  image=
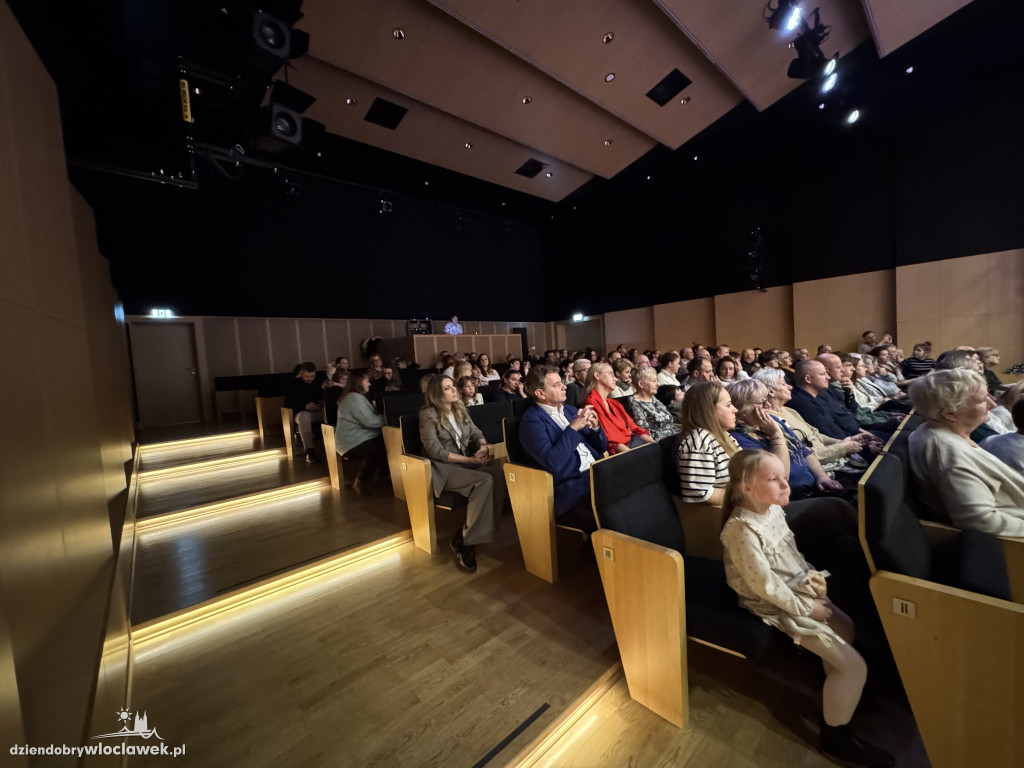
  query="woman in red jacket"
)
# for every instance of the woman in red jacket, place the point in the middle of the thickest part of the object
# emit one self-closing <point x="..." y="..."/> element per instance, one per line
<point x="622" y="432"/>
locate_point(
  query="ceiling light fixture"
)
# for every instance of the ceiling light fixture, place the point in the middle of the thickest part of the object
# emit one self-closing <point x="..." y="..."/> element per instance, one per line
<point x="830" y="82"/>
<point x="785" y="14"/>
<point x="527" y="99"/>
<point x="350" y="101"/>
<point x="607" y="142"/>
<point x="830" y="67"/>
<point x="684" y="100"/>
<point x="809" y="58"/>
<point x="469" y="145"/>
<point x="609" y="77"/>
<point x="549" y="174"/>
<point x="399" y="33"/>
<point x="608" y="37"/>
<point x="909" y="70"/>
<point x="853" y="117"/>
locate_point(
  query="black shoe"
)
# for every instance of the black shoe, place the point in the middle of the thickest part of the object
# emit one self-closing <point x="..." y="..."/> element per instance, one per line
<point x="466" y="558"/>
<point x="311" y="457"/>
<point x="846" y="749"/>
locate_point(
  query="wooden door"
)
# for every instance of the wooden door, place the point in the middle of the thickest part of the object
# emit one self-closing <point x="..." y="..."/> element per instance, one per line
<point x="166" y="373"/>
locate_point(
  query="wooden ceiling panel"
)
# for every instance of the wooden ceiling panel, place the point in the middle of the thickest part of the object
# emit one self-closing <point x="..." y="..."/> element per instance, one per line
<point x="451" y="67"/>
<point x="428" y="134"/>
<point x="734" y="35"/>
<point x="894" y="23"/>
<point x="566" y="40"/>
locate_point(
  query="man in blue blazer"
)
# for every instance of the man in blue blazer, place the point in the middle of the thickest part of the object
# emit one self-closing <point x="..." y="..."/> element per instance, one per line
<point x="565" y="442"/>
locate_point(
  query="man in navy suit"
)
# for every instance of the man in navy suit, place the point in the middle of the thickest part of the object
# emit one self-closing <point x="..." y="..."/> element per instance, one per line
<point x="565" y="442"/>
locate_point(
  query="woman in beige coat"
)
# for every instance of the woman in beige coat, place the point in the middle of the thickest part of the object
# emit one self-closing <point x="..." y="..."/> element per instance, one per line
<point x="461" y="463"/>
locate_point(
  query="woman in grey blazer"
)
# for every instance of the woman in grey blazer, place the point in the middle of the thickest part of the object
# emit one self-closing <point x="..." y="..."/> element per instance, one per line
<point x="461" y="463"/>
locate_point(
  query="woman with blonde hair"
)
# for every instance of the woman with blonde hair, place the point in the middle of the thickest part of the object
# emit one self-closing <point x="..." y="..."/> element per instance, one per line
<point x="622" y="432"/>
<point x="705" y="445"/>
<point x="775" y="583"/>
<point x="461" y="463"/>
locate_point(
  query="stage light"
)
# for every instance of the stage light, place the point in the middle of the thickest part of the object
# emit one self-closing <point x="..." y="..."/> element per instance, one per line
<point x="809" y="59"/>
<point x="830" y="83"/>
<point x="831" y="66"/>
<point x="785" y="14"/>
<point x="853" y="117"/>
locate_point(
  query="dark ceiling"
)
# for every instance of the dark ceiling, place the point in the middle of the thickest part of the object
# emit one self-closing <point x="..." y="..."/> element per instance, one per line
<point x="797" y="172"/>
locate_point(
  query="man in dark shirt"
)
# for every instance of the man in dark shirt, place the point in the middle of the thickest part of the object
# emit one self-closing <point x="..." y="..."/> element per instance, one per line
<point x="819" y="408"/>
<point x="575" y="390"/>
<point x="305" y="397"/>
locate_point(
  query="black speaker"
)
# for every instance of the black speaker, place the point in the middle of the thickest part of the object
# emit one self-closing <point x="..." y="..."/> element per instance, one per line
<point x="285" y="124"/>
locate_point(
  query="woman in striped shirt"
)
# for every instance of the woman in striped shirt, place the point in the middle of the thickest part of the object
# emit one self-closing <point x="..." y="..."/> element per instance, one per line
<point x="705" y="446"/>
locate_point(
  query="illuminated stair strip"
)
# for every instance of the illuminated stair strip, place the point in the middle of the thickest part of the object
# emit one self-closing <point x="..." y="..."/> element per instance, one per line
<point x="204" y="466"/>
<point x="229" y="505"/>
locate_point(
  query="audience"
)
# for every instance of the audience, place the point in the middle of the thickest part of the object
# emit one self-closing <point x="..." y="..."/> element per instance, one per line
<point x="1001" y="419"/>
<point x="919" y="363"/>
<point x="576" y="389"/>
<point x="758" y="428"/>
<point x="358" y="433"/>
<point x="699" y="370"/>
<point x="833" y="453"/>
<point x="511" y="385"/>
<point x="647" y="410"/>
<point x="1009" y="446"/>
<point x="620" y="430"/>
<point x="669" y="370"/>
<point x="728" y="370"/>
<point x="487" y="373"/>
<point x="467" y="392"/>
<point x="970" y="486"/>
<point x="623" y="378"/>
<point x="776" y="584"/>
<point x="565" y="442"/>
<point x="305" y="397"/>
<point x="990" y="359"/>
<point x="705" y="445"/>
<point x="461" y="463"/>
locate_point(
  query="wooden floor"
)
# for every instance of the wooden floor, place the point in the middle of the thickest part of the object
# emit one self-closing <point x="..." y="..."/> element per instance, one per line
<point x="404" y="660"/>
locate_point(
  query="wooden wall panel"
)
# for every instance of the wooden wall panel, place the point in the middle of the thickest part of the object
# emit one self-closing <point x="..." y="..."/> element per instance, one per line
<point x="65" y="446"/>
<point x="336" y="332"/>
<point x="284" y="343"/>
<point x="753" y="318"/>
<point x="357" y="331"/>
<point x="681" y="323"/>
<point x="632" y="327"/>
<point x="254" y="346"/>
<point x="837" y="310"/>
<point x="311" y="342"/>
<point x="973" y="300"/>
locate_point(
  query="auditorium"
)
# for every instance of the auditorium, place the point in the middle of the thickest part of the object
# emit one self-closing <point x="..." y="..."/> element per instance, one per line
<point x="201" y="196"/>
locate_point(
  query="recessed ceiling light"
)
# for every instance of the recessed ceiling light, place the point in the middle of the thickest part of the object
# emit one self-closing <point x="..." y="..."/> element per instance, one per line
<point x="821" y="106"/>
<point x="549" y="174"/>
<point x="696" y="157"/>
<point x="198" y="92"/>
<point x="351" y="102"/>
<point x="426" y="183"/>
<point x="608" y="37"/>
<point x="469" y="145"/>
<point x="830" y="82"/>
<point x="609" y="77"/>
<point x="830" y="67"/>
<point x="648" y="178"/>
<point x="607" y="142"/>
<point x="909" y="70"/>
<point x="399" y="33"/>
<point x="853" y="117"/>
<point x="527" y="99"/>
<point x="684" y="100"/>
<point x="502" y="205"/>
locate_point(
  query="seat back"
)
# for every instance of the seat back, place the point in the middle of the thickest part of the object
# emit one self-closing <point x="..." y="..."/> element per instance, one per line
<point x="521" y="405"/>
<point x="489" y="416"/>
<point x="514" y="448"/>
<point x="399" y="404"/>
<point x="487" y="390"/>
<point x="892" y="533"/>
<point x="629" y="496"/>
<point x="670" y="466"/>
<point x="409" y="424"/>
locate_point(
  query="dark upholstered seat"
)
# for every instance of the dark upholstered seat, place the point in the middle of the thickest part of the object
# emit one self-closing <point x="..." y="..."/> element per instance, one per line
<point x="899" y="543"/>
<point x="630" y="497"/>
<point x="411" y="444"/>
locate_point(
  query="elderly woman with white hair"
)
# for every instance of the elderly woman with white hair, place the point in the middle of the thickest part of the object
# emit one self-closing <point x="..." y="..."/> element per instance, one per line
<point x="953" y="475"/>
<point x="758" y="428"/>
<point x="647" y="410"/>
<point x="831" y="452"/>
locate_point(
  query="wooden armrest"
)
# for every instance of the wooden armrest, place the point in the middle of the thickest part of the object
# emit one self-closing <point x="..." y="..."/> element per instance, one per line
<point x="532" y="495"/>
<point x="419" y="496"/>
<point x="958" y="654"/>
<point x="393" y="448"/>
<point x="331" y="454"/>
<point x="644" y="586"/>
<point x="288" y="426"/>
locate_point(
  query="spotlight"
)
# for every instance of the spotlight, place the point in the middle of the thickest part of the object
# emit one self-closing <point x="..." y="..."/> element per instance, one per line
<point x="830" y="67"/>
<point x="809" y="59"/>
<point x="830" y="83"/>
<point x="385" y="206"/>
<point x="853" y="117"/>
<point x="577" y="317"/>
<point x="785" y="14"/>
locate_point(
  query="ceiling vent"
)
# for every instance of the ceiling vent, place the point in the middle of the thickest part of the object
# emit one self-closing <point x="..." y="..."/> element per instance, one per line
<point x="385" y="113"/>
<point x="669" y="87"/>
<point x="531" y="168"/>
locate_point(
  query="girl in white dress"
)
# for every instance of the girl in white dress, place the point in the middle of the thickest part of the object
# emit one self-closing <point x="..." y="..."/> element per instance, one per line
<point x="773" y="581"/>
